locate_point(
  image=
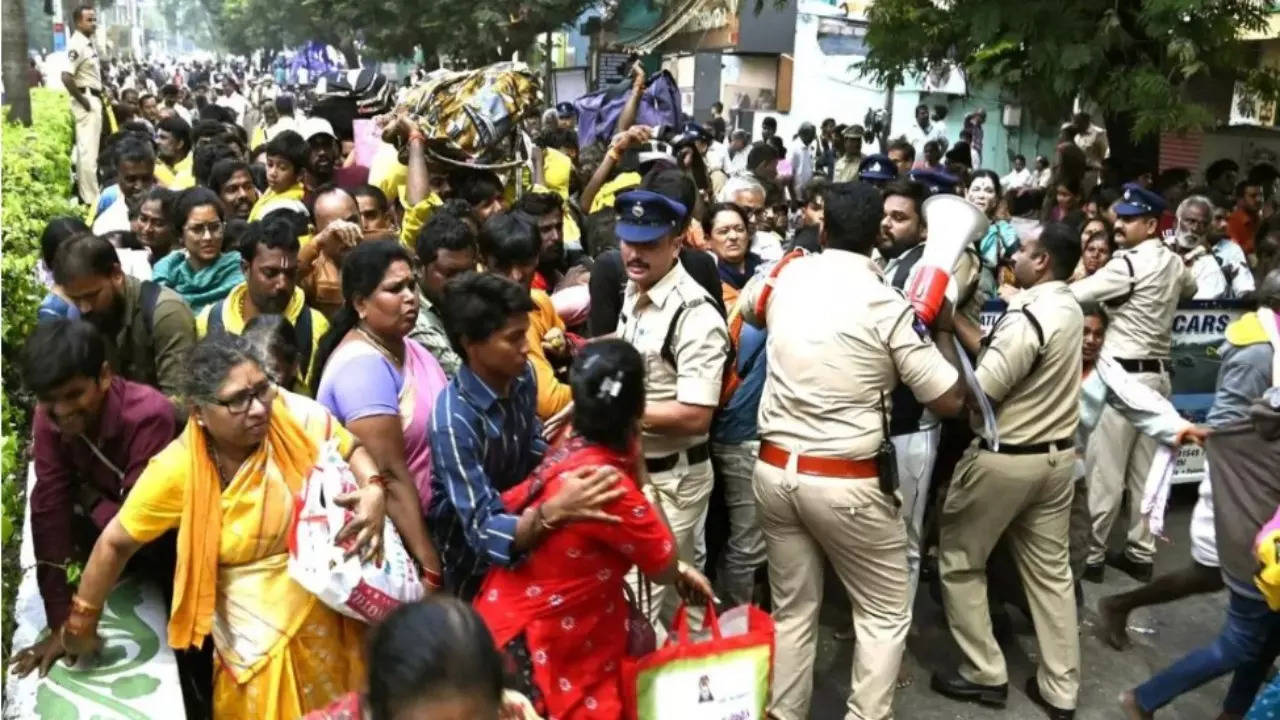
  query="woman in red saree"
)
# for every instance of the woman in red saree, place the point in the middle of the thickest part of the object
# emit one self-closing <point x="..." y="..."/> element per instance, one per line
<point x="565" y="605"/>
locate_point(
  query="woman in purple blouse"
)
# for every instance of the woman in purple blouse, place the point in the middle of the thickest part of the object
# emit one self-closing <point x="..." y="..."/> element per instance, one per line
<point x="383" y="386"/>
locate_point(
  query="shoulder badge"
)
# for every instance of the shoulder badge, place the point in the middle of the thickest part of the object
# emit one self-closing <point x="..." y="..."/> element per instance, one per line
<point x="73" y="55"/>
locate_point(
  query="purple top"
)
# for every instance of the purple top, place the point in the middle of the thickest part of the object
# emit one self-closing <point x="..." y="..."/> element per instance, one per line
<point x="137" y="422"/>
<point x="360" y="382"/>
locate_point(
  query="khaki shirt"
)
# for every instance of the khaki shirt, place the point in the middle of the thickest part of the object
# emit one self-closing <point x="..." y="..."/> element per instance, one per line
<point x="839" y="338"/>
<point x="1035" y="384"/>
<point x="83" y="56"/>
<point x="1141" y="327"/>
<point x="699" y="344"/>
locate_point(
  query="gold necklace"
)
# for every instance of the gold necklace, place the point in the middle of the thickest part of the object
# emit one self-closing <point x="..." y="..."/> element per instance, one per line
<point x="380" y="346"/>
<point x="217" y="462"/>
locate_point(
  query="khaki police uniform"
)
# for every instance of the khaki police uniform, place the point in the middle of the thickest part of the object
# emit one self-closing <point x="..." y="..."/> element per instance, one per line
<point x="1023" y="490"/>
<point x="816" y="485"/>
<point x="87" y="74"/>
<point x="1140" y="289"/>
<point x="914" y="431"/>
<point x="684" y="342"/>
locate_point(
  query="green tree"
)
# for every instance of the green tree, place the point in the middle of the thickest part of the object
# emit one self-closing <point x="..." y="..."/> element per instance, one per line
<point x="1134" y="58"/>
<point x="471" y="32"/>
<point x="13" y="54"/>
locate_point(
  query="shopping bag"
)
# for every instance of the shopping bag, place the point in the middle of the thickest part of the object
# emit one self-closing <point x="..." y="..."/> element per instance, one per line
<point x="726" y="676"/>
<point x="317" y="562"/>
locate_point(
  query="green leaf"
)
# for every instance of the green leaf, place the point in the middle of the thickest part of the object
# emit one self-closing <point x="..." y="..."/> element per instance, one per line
<point x="52" y="706"/>
<point x="133" y="686"/>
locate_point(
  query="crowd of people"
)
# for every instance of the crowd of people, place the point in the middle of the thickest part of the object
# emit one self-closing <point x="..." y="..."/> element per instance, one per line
<point x="541" y="378"/>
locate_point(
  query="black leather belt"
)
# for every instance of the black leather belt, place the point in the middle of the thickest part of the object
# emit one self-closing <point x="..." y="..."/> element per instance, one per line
<point x="1145" y="365"/>
<point x="695" y="455"/>
<point x="1036" y="449"/>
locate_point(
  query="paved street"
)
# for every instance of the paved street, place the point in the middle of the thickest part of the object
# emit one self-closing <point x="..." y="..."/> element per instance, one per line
<point x="1177" y="628"/>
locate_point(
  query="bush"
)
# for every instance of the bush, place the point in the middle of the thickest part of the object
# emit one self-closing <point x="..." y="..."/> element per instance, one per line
<point x="37" y="187"/>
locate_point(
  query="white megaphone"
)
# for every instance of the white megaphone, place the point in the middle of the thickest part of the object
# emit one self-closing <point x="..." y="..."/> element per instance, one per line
<point x="954" y="223"/>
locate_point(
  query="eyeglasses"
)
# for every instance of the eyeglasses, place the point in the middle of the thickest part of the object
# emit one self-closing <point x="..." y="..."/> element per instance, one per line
<point x="240" y="403"/>
<point x="211" y="229"/>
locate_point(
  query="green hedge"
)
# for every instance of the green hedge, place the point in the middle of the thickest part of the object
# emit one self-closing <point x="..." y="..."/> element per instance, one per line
<point x="36" y="187"/>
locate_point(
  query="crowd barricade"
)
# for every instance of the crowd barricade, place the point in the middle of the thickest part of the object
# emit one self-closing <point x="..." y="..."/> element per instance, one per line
<point x="135" y="675"/>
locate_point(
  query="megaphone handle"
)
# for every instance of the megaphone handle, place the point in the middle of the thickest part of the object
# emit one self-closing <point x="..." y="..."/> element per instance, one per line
<point x="928" y="291"/>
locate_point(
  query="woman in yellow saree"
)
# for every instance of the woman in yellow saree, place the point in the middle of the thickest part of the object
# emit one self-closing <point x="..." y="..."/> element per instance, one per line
<point x="228" y="483"/>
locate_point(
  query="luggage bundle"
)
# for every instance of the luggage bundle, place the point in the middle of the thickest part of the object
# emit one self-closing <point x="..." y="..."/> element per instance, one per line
<point x="476" y="114"/>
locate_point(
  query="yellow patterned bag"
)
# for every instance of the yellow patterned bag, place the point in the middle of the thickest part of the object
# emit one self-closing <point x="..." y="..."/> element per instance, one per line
<point x="476" y="113"/>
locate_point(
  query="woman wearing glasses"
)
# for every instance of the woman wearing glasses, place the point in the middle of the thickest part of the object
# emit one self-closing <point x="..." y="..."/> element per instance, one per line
<point x="227" y="485"/>
<point x="202" y="273"/>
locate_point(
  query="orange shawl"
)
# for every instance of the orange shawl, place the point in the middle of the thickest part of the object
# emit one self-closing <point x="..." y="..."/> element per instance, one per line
<point x="199" y="533"/>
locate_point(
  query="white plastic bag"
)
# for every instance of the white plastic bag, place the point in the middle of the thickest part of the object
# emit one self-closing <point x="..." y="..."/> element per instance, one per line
<point x="353" y="587"/>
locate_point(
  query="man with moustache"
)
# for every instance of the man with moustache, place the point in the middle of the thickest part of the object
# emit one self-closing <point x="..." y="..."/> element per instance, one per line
<point x="1141" y="286"/>
<point x="324" y="164"/>
<point x="913" y="430"/>
<point x="269" y="260"/>
<point x="233" y="181"/>
<point x="673" y="322"/>
<point x="135" y="175"/>
<point x="148" y="328"/>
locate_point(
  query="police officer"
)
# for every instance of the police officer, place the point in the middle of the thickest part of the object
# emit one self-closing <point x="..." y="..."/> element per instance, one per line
<point x="84" y="82"/>
<point x="1020" y="486"/>
<point x="1140" y="288"/>
<point x="914" y="431"/>
<point x="877" y="170"/>
<point x="675" y="325"/>
<point x="936" y="180"/>
<point x="823" y="410"/>
<point x="566" y="116"/>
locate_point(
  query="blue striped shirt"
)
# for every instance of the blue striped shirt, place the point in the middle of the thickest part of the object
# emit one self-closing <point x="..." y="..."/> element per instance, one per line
<point x="481" y="445"/>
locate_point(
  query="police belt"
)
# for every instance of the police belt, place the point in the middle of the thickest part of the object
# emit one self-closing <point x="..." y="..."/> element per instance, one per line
<point x="819" y="465"/>
<point x="1035" y="449"/>
<point x="694" y="455"/>
<point x="1150" y="365"/>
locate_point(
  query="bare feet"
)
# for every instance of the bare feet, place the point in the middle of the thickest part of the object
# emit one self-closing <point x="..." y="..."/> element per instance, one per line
<point x="1112" y="622"/>
<point x="904" y="676"/>
<point x="1129" y="703"/>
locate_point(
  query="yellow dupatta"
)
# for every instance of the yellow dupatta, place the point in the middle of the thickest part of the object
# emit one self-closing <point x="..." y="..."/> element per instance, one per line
<point x="195" y="582"/>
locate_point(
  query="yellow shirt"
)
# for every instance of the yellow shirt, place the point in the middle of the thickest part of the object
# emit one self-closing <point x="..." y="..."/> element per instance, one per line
<point x="178" y="176"/>
<point x="233" y="322"/>
<point x="271" y="196"/>
<point x="387" y="174"/>
<point x="605" y="197"/>
<point x="416" y="217"/>
<point x="553" y="395"/>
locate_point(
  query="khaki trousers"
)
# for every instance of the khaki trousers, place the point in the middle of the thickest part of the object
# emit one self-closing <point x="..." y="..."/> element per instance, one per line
<point x="88" y="136"/>
<point x="1117" y="460"/>
<point x="860" y="530"/>
<point x="1026" y="498"/>
<point x="683" y="493"/>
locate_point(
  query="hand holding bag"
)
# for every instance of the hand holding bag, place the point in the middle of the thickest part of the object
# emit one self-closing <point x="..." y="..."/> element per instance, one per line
<point x="728" y="675"/>
<point x="349" y="585"/>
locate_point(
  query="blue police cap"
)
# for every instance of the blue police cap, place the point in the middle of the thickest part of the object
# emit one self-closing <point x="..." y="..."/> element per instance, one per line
<point x="937" y="181"/>
<point x="697" y="131"/>
<point x="645" y="217"/>
<point x="566" y="109"/>
<point x="1138" y="200"/>
<point x="877" y="167"/>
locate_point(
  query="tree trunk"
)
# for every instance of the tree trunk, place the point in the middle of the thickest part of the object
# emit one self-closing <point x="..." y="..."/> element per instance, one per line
<point x="1130" y="155"/>
<point x="13" y="57"/>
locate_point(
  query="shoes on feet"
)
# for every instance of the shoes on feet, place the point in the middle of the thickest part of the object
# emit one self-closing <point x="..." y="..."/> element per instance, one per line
<point x="957" y="688"/>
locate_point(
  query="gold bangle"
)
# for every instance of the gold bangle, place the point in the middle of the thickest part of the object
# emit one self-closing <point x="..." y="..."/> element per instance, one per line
<point x="79" y="605"/>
